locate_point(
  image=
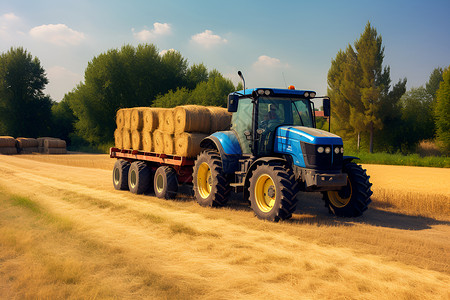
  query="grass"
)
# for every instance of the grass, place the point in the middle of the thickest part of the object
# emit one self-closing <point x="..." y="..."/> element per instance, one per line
<point x="400" y="159"/>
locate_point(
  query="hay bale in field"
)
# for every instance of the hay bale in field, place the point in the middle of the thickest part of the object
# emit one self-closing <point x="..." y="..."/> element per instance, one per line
<point x="41" y="140"/>
<point x="29" y="150"/>
<point x="7" y="141"/>
<point x="120" y="119"/>
<point x="169" y="143"/>
<point x="27" y="142"/>
<point x="53" y="143"/>
<point x="158" y="141"/>
<point x="152" y="117"/>
<point x="169" y="122"/>
<point x="118" y="139"/>
<point x="220" y="118"/>
<point x="136" y="140"/>
<point x="137" y="118"/>
<point x="146" y="140"/>
<point x="192" y="118"/>
<point x="8" y="150"/>
<point x="188" y="144"/>
<point x="55" y="151"/>
<point x="126" y="138"/>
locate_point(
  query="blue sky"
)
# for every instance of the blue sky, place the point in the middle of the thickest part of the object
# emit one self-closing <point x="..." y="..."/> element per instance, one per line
<point x="274" y="43"/>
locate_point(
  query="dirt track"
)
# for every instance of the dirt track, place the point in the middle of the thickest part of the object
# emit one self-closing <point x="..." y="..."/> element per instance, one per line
<point x="228" y="252"/>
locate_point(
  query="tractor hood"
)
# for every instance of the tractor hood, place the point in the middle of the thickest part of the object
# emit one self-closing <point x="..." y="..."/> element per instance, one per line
<point x="303" y="144"/>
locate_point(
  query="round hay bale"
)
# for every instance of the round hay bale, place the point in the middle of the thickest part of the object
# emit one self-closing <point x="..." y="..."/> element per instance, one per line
<point x="151" y="117"/>
<point x="120" y="118"/>
<point x="27" y="142"/>
<point x="136" y="140"/>
<point x="192" y="118"/>
<point x="8" y="150"/>
<point x="188" y="144"/>
<point x="220" y="118"/>
<point x="169" y="143"/>
<point x="29" y="150"/>
<point x="42" y="139"/>
<point x="146" y="140"/>
<point x="158" y="141"/>
<point x="54" y="143"/>
<point x="169" y="122"/>
<point x="41" y="149"/>
<point x="126" y="138"/>
<point x="127" y="118"/>
<point x="118" y="139"/>
<point x="55" y="150"/>
<point x="7" y="141"/>
<point x="137" y="118"/>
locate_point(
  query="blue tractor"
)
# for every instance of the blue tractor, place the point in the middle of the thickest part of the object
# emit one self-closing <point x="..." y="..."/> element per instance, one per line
<point x="273" y="151"/>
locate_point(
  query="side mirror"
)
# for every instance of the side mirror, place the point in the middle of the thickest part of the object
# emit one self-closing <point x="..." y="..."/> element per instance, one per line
<point x="233" y="101"/>
<point x="326" y="107"/>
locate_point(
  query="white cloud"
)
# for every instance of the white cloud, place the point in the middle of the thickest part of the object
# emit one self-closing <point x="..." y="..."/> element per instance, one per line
<point x="10" y="26"/>
<point x="61" y="81"/>
<point x="159" y="29"/>
<point x="10" y="17"/>
<point x="58" y="34"/>
<point x="163" y="52"/>
<point x="265" y="61"/>
<point x="208" y="39"/>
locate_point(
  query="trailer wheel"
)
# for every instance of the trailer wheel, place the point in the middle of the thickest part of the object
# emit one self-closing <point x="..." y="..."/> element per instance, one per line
<point x="120" y="174"/>
<point x="211" y="188"/>
<point x="273" y="192"/>
<point x="165" y="183"/>
<point x="353" y="199"/>
<point x="139" y="177"/>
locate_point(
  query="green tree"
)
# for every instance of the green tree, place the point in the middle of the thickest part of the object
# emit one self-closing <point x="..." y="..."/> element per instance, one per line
<point x="63" y="120"/>
<point x="24" y="109"/>
<point x="433" y="82"/>
<point x="442" y="111"/>
<point x="357" y="83"/>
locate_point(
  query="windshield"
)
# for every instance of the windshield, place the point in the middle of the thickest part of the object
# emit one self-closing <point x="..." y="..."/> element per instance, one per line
<point x="284" y="111"/>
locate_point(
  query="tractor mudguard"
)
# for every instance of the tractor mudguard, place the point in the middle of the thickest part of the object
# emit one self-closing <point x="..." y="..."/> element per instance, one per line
<point x="229" y="149"/>
<point x="349" y="158"/>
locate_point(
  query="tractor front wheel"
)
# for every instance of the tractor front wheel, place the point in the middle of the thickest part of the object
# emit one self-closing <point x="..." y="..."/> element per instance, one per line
<point x="353" y="199"/>
<point x="273" y="192"/>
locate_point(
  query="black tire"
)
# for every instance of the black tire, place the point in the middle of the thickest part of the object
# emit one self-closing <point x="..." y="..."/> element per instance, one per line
<point x="120" y="174"/>
<point x="139" y="178"/>
<point x="211" y="187"/>
<point x="165" y="183"/>
<point x="273" y="192"/>
<point x="353" y="199"/>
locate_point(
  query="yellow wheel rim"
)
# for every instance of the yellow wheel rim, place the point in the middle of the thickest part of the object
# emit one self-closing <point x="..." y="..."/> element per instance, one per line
<point x="265" y="193"/>
<point x="342" y="197"/>
<point x="204" y="180"/>
<point x="159" y="183"/>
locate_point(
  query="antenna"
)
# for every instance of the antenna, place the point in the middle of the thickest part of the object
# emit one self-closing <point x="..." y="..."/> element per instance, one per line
<point x="284" y="79"/>
<point x="242" y="77"/>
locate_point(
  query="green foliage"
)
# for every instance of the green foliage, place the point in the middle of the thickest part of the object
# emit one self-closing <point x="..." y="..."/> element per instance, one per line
<point x="208" y="93"/>
<point x="359" y="87"/>
<point x="24" y="109"/>
<point x="433" y="83"/>
<point x="63" y="120"/>
<point x="442" y="112"/>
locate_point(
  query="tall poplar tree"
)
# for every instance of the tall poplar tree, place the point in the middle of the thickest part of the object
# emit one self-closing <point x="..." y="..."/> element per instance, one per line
<point x="357" y="83"/>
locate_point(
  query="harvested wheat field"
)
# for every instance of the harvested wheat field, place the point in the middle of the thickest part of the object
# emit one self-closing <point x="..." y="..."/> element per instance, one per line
<point x="65" y="233"/>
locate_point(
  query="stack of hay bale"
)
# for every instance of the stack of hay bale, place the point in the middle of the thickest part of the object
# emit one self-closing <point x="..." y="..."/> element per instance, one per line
<point x="7" y="145"/>
<point x="49" y="145"/>
<point x="27" y="145"/>
<point x="175" y="131"/>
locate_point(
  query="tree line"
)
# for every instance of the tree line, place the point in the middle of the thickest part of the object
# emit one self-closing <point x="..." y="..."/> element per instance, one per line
<point x="368" y="108"/>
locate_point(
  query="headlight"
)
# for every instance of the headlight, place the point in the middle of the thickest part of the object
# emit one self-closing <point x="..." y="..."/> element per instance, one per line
<point x="312" y="94"/>
<point x="267" y="92"/>
<point x="336" y="150"/>
<point x="306" y="94"/>
<point x="327" y="150"/>
<point x="342" y="150"/>
<point x="320" y="149"/>
<point x="260" y="92"/>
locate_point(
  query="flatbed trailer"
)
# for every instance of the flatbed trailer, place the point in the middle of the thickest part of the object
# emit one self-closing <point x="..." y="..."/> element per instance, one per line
<point x="143" y="172"/>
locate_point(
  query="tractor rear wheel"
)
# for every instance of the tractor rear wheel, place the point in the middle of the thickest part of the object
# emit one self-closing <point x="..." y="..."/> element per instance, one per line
<point x="211" y="187"/>
<point x="273" y="192"/>
<point x="139" y="177"/>
<point x="165" y="183"/>
<point x="353" y="199"/>
<point x="120" y="174"/>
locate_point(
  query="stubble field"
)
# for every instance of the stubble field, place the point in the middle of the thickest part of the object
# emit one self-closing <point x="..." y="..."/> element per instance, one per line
<point x="65" y="233"/>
